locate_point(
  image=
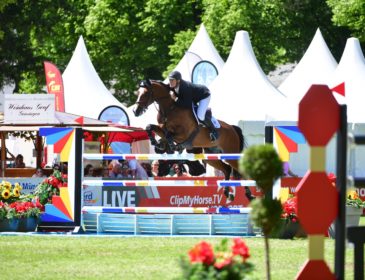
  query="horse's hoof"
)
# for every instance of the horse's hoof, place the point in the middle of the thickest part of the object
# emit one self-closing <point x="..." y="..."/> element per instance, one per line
<point x="159" y="150"/>
<point x="169" y="151"/>
<point x="179" y="149"/>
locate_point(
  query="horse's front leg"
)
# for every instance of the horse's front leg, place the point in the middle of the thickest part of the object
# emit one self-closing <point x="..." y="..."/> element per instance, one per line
<point x="162" y="145"/>
<point x="154" y="128"/>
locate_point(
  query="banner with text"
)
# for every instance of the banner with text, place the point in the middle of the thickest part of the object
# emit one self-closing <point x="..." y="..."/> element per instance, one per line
<point x="169" y="197"/>
<point x="55" y="85"/>
<point x="29" y="108"/>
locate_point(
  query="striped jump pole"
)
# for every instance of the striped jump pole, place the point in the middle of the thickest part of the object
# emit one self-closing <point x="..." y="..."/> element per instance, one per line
<point x="168" y="183"/>
<point x="164" y="210"/>
<point x="162" y="156"/>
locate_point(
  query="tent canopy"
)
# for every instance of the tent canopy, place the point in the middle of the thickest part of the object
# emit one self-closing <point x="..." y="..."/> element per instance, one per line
<point x="316" y="67"/>
<point x="243" y="92"/>
<point x="61" y="119"/>
<point x="351" y="71"/>
<point x="85" y="93"/>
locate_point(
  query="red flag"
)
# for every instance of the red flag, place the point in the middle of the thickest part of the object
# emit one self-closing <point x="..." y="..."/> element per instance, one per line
<point x="55" y="85"/>
<point x="80" y="120"/>
<point x="340" y="89"/>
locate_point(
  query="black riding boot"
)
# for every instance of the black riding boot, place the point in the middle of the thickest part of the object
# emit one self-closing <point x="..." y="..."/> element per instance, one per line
<point x="213" y="133"/>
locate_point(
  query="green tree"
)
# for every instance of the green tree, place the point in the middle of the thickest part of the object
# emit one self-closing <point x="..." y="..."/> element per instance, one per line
<point x="129" y="39"/>
<point x="280" y="31"/>
<point x="351" y="14"/>
<point x="35" y="31"/>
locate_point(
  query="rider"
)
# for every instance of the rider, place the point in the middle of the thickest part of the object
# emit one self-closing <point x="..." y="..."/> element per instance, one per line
<point x="186" y="93"/>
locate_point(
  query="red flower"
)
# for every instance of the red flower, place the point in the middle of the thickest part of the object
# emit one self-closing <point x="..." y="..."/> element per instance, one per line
<point x="240" y="248"/>
<point x="222" y="264"/>
<point x="39" y="205"/>
<point x="53" y="181"/>
<point x="332" y="178"/>
<point x="202" y="252"/>
<point x="290" y="208"/>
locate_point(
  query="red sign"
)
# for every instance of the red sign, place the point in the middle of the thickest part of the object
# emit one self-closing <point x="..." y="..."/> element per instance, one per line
<point x="210" y="196"/>
<point x="319" y="115"/>
<point x="291" y="183"/>
<point x="55" y="85"/>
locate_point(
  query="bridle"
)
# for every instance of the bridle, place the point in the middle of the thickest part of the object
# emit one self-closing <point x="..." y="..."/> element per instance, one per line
<point x="150" y="98"/>
<point x="149" y="92"/>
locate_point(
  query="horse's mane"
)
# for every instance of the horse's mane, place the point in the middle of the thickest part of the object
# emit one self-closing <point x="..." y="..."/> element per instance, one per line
<point x="161" y="83"/>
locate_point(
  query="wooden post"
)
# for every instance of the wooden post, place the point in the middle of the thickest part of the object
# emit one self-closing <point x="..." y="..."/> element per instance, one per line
<point x="39" y="149"/>
<point x="3" y="154"/>
<point x="340" y="224"/>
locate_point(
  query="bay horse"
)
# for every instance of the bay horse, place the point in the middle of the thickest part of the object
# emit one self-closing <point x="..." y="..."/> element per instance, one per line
<point x="179" y="127"/>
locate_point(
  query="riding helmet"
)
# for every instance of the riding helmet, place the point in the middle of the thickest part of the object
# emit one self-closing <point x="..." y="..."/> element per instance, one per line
<point x="175" y="75"/>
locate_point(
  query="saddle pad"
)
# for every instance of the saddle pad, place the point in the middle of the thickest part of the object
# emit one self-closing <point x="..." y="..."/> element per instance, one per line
<point x="214" y="120"/>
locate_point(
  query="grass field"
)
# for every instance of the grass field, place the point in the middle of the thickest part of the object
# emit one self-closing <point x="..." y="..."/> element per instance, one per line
<point x="73" y="257"/>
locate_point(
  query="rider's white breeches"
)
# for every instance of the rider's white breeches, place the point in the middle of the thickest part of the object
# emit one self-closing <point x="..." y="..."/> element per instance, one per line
<point x="202" y="108"/>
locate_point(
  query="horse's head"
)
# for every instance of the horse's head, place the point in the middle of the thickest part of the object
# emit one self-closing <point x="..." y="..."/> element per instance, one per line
<point x="144" y="98"/>
<point x="149" y="92"/>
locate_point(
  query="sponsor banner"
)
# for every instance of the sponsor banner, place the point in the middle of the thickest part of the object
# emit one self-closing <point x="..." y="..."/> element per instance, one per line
<point x="92" y="196"/>
<point x="29" y="108"/>
<point x="174" y="197"/>
<point x="55" y="85"/>
<point x="120" y="196"/>
<point x="291" y="183"/>
<point x="28" y="184"/>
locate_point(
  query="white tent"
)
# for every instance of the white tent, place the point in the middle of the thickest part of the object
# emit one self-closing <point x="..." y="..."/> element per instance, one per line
<point x="242" y="91"/>
<point x="85" y="93"/>
<point x="201" y="48"/>
<point x="351" y="71"/>
<point x="316" y="67"/>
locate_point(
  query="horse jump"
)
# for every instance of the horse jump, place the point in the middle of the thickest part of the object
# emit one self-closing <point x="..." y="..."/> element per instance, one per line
<point x="178" y="127"/>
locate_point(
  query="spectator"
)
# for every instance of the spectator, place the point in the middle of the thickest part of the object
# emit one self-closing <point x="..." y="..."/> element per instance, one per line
<point x="179" y="170"/>
<point x="137" y="171"/>
<point x="39" y="173"/>
<point x="19" y="161"/>
<point x="116" y="172"/>
<point x="105" y="172"/>
<point x="89" y="171"/>
<point x="56" y="166"/>
<point x="126" y="172"/>
<point x="154" y="168"/>
<point x="147" y="166"/>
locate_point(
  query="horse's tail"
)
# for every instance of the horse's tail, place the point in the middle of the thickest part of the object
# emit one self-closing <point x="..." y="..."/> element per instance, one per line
<point x="240" y="135"/>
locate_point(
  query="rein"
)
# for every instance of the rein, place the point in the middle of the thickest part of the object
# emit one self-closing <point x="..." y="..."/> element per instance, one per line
<point x="156" y="100"/>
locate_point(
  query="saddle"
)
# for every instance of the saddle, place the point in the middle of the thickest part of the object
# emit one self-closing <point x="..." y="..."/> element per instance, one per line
<point x="208" y="115"/>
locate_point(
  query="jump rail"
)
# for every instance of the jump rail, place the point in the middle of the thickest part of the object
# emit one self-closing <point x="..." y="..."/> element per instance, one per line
<point x="165" y="210"/>
<point x="169" y="183"/>
<point x="163" y="156"/>
<point x="167" y="220"/>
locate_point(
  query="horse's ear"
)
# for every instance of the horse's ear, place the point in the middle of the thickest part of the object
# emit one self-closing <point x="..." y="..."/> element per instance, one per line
<point x="145" y="83"/>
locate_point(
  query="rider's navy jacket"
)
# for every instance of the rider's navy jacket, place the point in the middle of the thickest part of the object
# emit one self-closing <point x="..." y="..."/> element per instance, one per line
<point x="190" y="93"/>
